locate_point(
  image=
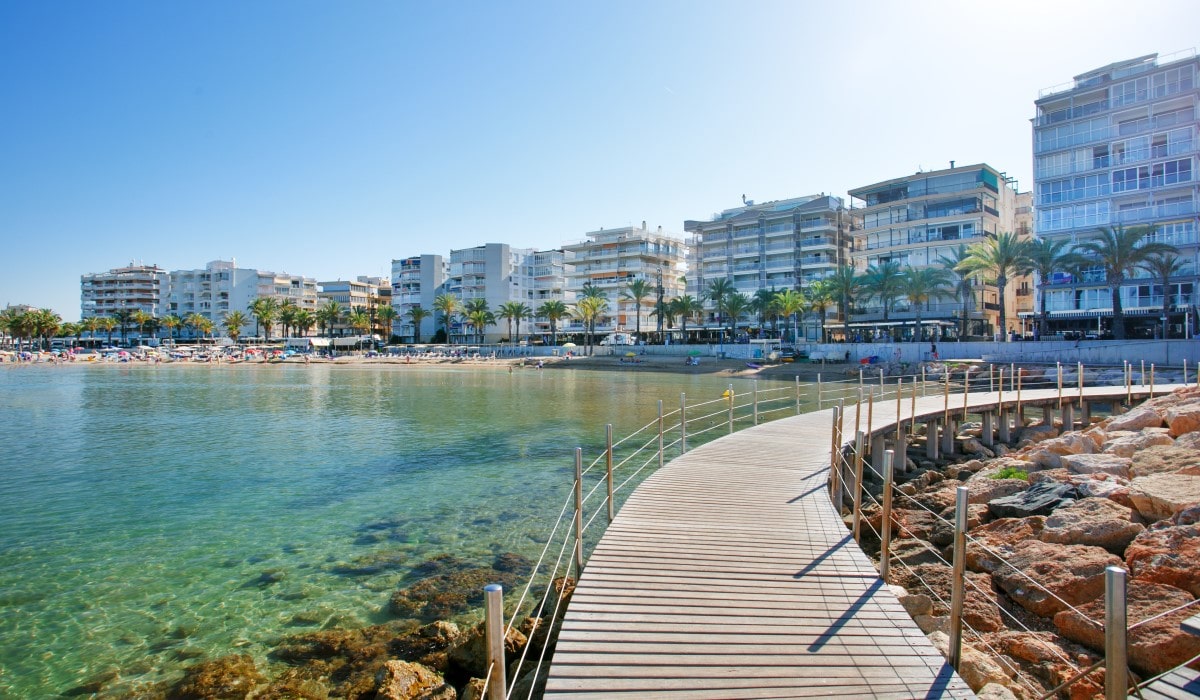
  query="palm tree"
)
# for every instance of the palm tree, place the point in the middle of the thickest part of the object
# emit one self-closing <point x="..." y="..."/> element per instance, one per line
<point x="479" y="316"/>
<point x="287" y="316"/>
<point x="588" y="309"/>
<point x="718" y="291"/>
<point x="70" y="330"/>
<point x="1163" y="267"/>
<point x="265" y="310"/>
<point x="553" y="311"/>
<point x="736" y="306"/>
<point x="882" y="281"/>
<point x="140" y="318"/>
<point x="1046" y="257"/>
<point x="513" y="311"/>
<point x="89" y="324"/>
<point x="170" y="322"/>
<point x="386" y="315"/>
<point x="123" y="317"/>
<point x="234" y="322"/>
<point x="1120" y="251"/>
<point x="686" y="307"/>
<point x="920" y="287"/>
<point x="196" y="321"/>
<point x="416" y="315"/>
<point x="821" y="296"/>
<point x="205" y="327"/>
<point x="448" y="305"/>
<point x="964" y="285"/>
<point x="329" y="315"/>
<point x="637" y="291"/>
<point x="846" y="285"/>
<point x="8" y="321"/>
<point x="360" y="321"/>
<point x="45" y="325"/>
<point x="999" y="258"/>
<point x="790" y="302"/>
<point x="107" y="324"/>
<point x="763" y="304"/>
<point x="304" y="321"/>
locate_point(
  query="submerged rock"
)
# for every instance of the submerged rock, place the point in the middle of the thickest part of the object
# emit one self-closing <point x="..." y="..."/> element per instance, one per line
<point x="227" y="678"/>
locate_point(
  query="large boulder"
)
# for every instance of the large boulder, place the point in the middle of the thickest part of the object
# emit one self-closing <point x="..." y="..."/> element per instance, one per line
<point x="985" y="489"/>
<point x="1041" y="655"/>
<point x="469" y="658"/>
<point x="933" y="582"/>
<point x="1161" y="496"/>
<point x="1129" y="444"/>
<point x="1144" y="416"/>
<point x="231" y="677"/>
<point x="1155" y="646"/>
<point x="998" y="538"/>
<point x="975" y="667"/>
<point x="1036" y="433"/>
<point x="1097" y="522"/>
<point x="1164" y="459"/>
<point x="1183" y="419"/>
<point x="1191" y="441"/>
<point x="1048" y="576"/>
<point x="1039" y="499"/>
<point x="1096" y="463"/>
<point x="400" y="680"/>
<point x="1167" y="554"/>
<point x="1070" y="444"/>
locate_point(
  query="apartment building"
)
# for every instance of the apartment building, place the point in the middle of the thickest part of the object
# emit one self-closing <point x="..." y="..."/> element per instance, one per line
<point x="609" y="259"/>
<point x="784" y="244"/>
<point x="416" y="282"/>
<point x="545" y="279"/>
<point x="492" y="272"/>
<point x="1118" y="146"/>
<point x="917" y="220"/>
<point x="221" y="286"/>
<point x="363" y="292"/>
<point x="124" y="289"/>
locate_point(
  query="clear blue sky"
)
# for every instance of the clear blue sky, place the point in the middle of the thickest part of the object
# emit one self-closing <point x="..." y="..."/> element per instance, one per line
<point x="326" y="138"/>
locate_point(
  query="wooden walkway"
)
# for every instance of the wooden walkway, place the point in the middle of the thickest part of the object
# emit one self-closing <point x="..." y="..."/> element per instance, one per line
<point x="728" y="574"/>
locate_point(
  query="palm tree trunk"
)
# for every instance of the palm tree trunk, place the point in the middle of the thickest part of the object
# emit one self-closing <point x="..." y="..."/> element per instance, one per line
<point x="1118" y="314"/>
<point x="1001" y="283"/>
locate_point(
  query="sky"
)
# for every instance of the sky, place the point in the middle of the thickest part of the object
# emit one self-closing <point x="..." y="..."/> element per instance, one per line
<point x="326" y="139"/>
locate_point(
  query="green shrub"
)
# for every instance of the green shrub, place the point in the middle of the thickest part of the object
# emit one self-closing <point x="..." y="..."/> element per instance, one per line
<point x="1012" y="473"/>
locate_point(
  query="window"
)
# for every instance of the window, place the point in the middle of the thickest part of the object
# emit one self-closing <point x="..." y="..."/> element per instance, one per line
<point x="1130" y="91"/>
<point x="1171" y="172"/>
<point x="1130" y="179"/>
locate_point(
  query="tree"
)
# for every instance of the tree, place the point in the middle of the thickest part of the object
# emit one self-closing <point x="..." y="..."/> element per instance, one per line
<point x="513" y="311"/>
<point x="386" y="314"/>
<point x="846" y="285"/>
<point x="265" y="311"/>
<point x="44" y="324"/>
<point x="737" y="305"/>
<point x="1163" y="267"/>
<point x="920" y="287"/>
<point x="90" y="324"/>
<point x="821" y="296"/>
<point x="882" y="282"/>
<point x="1119" y="252"/>
<point x="234" y="322"/>
<point x="763" y="304"/>
<point x="171" y="322"/>
<point x="686" y="307"/>
<point x="448" y="304"/>
<point x="140" y="318"/>
<point x="1046" y="257"/>
<point x="359" y="320"/>
<point x="964" y="285"/>
<point x="588" y="309"/>
<point x="718" y="292"/>
<point x="123" y="318"/>
<point x="329" y="315"/>
<point x="416" y="315"/>
<point x="553" y="311"/>
<point x="108" y="324"/>
<point x="304" y="321"/>
<point x="790" y="302"/>
<point x="998" y="259"/>
<point x="287" y="316"/>
<point x="196" y="322"/>
<point x="637" y="291"/>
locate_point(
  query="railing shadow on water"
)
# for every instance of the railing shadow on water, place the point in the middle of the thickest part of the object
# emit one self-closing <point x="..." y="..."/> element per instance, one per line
<point x="633" y="457"/>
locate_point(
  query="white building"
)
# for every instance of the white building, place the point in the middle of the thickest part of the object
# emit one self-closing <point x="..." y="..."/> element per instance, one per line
<point x="222" y="287"/>
<point x="124" y="289"/>
<point x="492" y="272"/>
<point x="416" y="282"/>
<point x="545" y="279"/>
<point x="609" y="259"/>
<point x="1119" y="146"/>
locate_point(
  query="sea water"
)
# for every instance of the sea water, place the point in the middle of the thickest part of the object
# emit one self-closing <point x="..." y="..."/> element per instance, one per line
<point x="151" y="516"/>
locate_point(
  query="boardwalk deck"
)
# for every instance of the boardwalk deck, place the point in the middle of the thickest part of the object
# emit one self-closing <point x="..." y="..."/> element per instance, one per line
<point x="728" y="574"/>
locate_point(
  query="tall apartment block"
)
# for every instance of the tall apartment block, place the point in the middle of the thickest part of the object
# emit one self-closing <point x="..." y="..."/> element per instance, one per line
<point x="610" y="259"/>
<point x="130" y="288"/>
<point x="785" y="244"/>
<point x="222" y="287"/>
<point x="492" y="272"/>
<point x="915" y="221"/>
<point x="416" y="281"/>
<point x="1118" y="146"/>
<point x="363" y="292"/>
<point x="545" y="279"/>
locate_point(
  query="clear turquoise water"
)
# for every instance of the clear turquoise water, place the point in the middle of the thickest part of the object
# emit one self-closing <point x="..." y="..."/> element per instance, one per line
<point x="141" y="507"/>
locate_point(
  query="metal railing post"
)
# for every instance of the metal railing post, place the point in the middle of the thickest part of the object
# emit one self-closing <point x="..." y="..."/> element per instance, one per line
<point x="797" y="394"/>
<point x="729" y="395"/>
<point x="833" y="451"/>
<point x="819" y="391"/>
<point x="1058" y="365"/>
<point x="1000" y="396"/>
<point x="1185" y="371"/>
<point x="885" y="533"/>
<point x="1116" y="672"/>
<point x="755" y="402"/>
<point x="608" y="461"/>
<point x="881" y="382"/>
<point x="899" y="408"/>
<point x="494" y="631"/>
<point x="1151" y="380"/>
<point x="682" y="423"/>
<point x="1128" y="383"/>
<point x="1142" y="377"/>
<point x="660" y="433"/>
<point x="859" y="440"/>
<point x="578" y="512"/>
<point x="912" y="423"/>
<point x="946" y="398"/>
<point x="924" y="390"/>
<point x="1079" y="369"/>
<point x="966" y="390"/>
<point x="958" y="582"/>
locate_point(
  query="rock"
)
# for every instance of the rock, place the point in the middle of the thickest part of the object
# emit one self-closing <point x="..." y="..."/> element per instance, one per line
<point x="1165" y="459"/>
<point x="1141" y="417"/>
<point x="448" y="594"/>
<point x="930" y="623"/>
<point x="1191" y="441"/>
<point x="995" y="691"/>
<point x="228" y="677"/>
<point x="1072" y="573"/>
<point x="1057" y="476"/>
<point x="1154" y="647"/>
<point x="1183" y="419"/>
<point x="980" y="609"/>
<point x="1128" y="445"/>
<point x="975" y="667"/>
<point x="1000" y="536"/>
<point x="984" y="489"/>
<point x="1160" y="496"/>
<point x="428" y="645"/>
<point x="1094" y="463"/>
<point x="1039" y="499"/>
<point x="1036" y="433"/>
<point x="469" y="657"/>
<point x="1044" y="459"/>
<point x="1102" y="485"/>
<point x="474" y="690"/>
<point x="1167" y="554"/>
<point x="972" y="445"/>
<point x="400" y="680"/>
<point x="1070" y="444"/>
<point x="1040" y="655"/>
<point x="914" y="603"/>
<point x="1092" y="521"/>
<point x="1000" y="449"/>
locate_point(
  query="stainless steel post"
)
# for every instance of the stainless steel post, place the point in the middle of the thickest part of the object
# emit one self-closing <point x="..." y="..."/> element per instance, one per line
<point x="899" y="419"/>
<point x="608" y="466"/>
<point x="755" y="402"/>
<point x="924" y="391"/>
<point x="819" y="406"/>
<point x="885" y="533"/>
<point x="833" y="452"/>
<point x="682" y="423"/>
<point x="578" y="512"/>
<point x="1080" y="370"/>
<point x="660" y="433"/>
<point x="1152" y="380"/>
<point x="797" y="394"/>
<point x="958" y="583"/>
<point x="1058" y="366"/>
<point x="729" y="397"/>
<point x="859" y="440"/>
<point x="1116" y="670"/>
<point x="497" y="684"/>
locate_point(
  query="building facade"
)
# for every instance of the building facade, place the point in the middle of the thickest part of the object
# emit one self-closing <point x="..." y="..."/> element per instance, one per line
<point x="920" y="220"/>
<point x="545" y="279"/>
<point x="491" y="272"/>
<point x="609" y="259"/>
<point x="364" y="292"/>
<point x="124" y="289"/>
<point x="785" y="244"/>
<point x="416" y="282"/>
<point x="222" y="286"/>
<point x="1118" y="146"/>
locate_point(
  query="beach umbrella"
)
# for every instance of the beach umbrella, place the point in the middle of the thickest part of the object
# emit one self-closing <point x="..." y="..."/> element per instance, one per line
<point x="631" y="354"/>
<point x="569" y="345"/>
<point x="695" y="353"/>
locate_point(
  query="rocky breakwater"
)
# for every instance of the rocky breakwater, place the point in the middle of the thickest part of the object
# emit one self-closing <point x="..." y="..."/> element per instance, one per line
<point x="1046" y="517"/>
